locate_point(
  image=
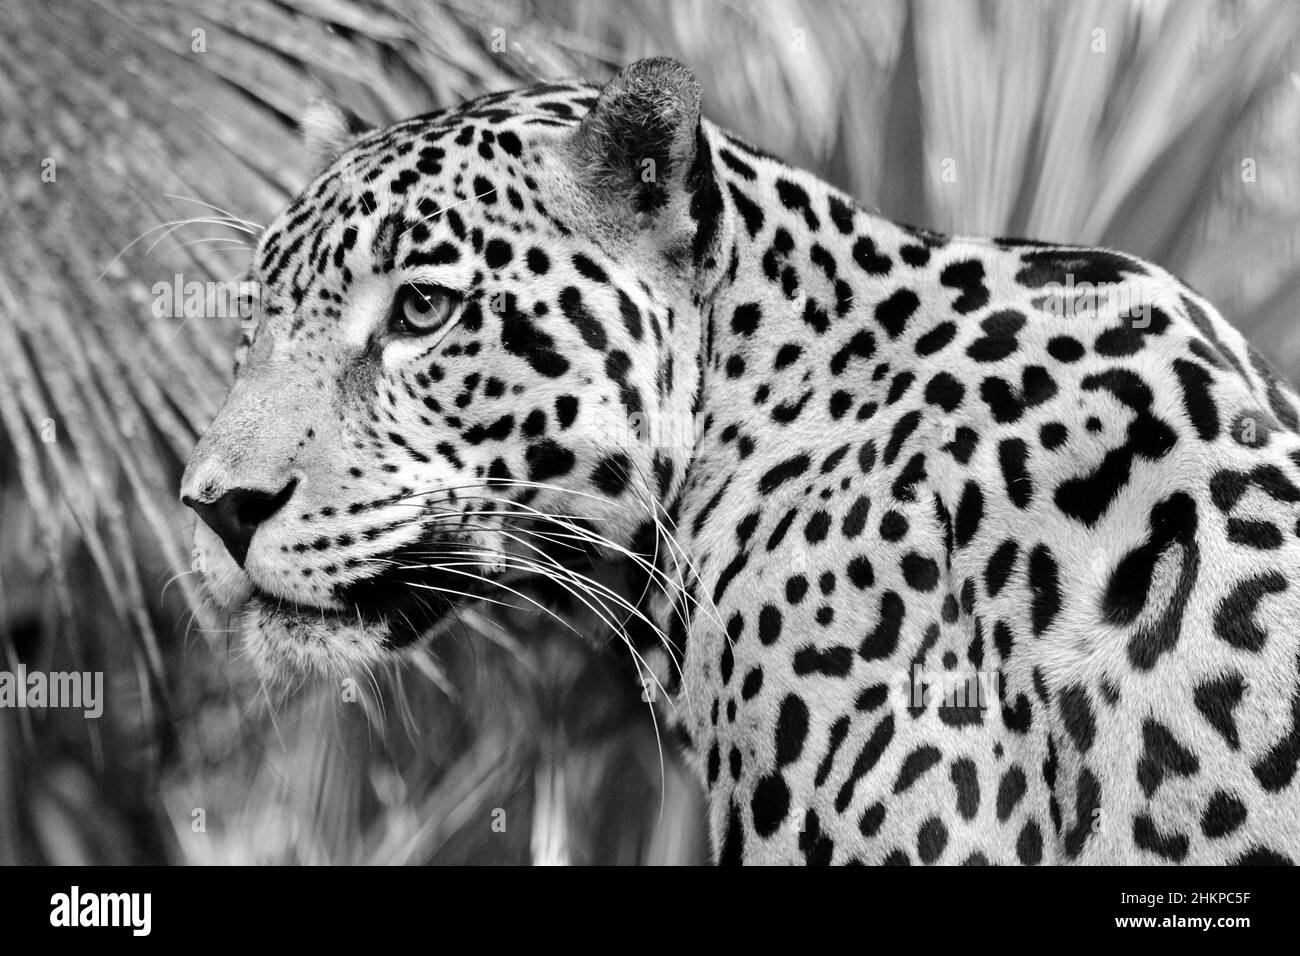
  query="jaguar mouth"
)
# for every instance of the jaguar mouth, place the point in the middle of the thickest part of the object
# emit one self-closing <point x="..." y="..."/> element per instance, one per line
<point x="368" y="620"/>
<point x="410" y="601"/>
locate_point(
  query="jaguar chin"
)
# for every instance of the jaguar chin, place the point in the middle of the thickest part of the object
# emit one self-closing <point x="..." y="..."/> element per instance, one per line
<point x="284" y="640"/>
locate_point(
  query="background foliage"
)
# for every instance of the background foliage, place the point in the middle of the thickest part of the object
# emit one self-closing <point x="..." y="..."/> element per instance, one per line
<point x="1168" y="129"/>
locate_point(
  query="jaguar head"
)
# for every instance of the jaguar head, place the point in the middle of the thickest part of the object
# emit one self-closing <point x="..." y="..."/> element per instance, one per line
<point x="477" y="346"/>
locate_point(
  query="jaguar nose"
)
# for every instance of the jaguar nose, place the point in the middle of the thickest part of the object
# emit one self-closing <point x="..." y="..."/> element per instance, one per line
<point x="236" y="515"/>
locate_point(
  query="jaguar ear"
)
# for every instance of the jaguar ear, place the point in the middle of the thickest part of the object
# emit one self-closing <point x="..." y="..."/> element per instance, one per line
<point x="328" y="130"/>
<point x="637" y="144"/>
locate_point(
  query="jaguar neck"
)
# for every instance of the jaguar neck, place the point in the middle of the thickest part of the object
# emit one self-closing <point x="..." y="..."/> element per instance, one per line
<point x="803" y="278"/>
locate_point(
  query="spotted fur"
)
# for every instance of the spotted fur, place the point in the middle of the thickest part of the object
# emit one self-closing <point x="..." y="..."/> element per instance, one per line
<point x="864" y="460"/>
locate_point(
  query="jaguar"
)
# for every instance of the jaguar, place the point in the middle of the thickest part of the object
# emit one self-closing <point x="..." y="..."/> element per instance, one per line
<point x="934" y="549"/>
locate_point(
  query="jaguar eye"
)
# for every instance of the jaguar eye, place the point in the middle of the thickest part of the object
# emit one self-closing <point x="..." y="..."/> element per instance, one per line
<point x="420" y="308"/>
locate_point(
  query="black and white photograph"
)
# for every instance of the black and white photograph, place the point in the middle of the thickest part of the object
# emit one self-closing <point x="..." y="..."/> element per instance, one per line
<point x="650" y="432"/>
